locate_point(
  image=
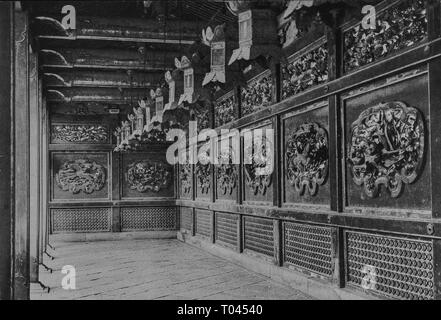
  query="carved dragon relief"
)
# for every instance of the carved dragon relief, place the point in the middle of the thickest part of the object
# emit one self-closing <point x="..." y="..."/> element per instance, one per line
<point x="307" y="158"/>
<point x="146" y="176"/>
<point x="227" y="173"/>
<point x="81" y="175"/>
<point x="386" y="148"/>
<point x="258" y="166"/>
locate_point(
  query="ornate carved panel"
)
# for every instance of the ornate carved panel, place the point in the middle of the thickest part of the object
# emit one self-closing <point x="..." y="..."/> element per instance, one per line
<point x="386" y="148"/>
<point x="80" y="133"/>
<point x="307" y="158"/>
<point x="148" y="175"/>
<point x="227" y="173"/>
<point x="304" y="72"/>
<point x="397" y="28"/>
<point x="258" y="94"/>
<point x="81" y="175"/>
<point x="186" y="179"/>
<point x="225" y="109"/>
<point x="257" y="172"/>
<point x="203" y="178"/>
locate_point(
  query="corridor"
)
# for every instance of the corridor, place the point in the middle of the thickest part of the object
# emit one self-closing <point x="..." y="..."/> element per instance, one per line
<point x="153" y="269"/>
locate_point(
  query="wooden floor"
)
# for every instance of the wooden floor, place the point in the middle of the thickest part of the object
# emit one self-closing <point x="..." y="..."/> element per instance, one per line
<point x="153" y="269"/>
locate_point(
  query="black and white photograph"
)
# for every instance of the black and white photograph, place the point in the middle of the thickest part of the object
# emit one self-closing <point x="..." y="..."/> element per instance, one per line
<point x="220" y="154"/>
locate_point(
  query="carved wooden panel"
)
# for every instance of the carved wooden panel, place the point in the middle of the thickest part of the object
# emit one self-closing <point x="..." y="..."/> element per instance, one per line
<point x="258" y="166"/>
<point x="306" y="156"/>
<point x="225" y="110"/>
<point x="386" y="146"/>
<point x="258" y="93"/>
<point x="227" y="170"/>
<point x="397" y="267"/>
<point x="305" y="71"/>
<point x="259" y="235"/>
<point x="146" y="175"/>
<point x="80" y="176"/>
<point x="186" y="181"/>
<point x="79" y="134"/>
<point x="80" y="220"/>
<point x="399" y="27"/>
<point x="149" y="219"/>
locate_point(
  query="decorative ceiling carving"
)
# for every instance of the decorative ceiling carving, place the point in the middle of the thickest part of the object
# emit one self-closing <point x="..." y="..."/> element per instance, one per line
<point x="386" y="148"/>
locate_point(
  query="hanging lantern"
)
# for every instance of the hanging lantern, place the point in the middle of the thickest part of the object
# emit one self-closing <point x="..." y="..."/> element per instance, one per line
<point x="216" y="40"/>
<point x="258" y="35"/>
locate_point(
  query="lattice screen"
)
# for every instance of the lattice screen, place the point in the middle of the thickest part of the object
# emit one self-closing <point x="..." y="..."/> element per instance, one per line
<point x="259" y="235"/>
<point x="203" y="223"/>
<point x="149" y="219"/>
<point x="226" y="228"/>
<point x="308" y="247"/>
<point x="402" y="267"/>
<point x="80" y="220"/>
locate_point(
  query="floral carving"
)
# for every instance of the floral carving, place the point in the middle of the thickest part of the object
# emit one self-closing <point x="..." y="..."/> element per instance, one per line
<point x="307" y="158"/>
<point x="148" y="176"/>
<point x="386" y="148"/>
<point x="185" y="178"/>
<point x="227" y="173"/>
<point x="259" y="166"/>
<point x="309" y="70"/>
<point x="81" y="175"/>
<point x="257" y="94"/>
<point x="398" y="28"/>
<point x="203" y="177"/>
<point x="225" y="110"/>
<point x="80" y="133"/>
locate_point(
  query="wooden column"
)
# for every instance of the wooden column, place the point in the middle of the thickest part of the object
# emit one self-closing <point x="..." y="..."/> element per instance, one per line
<point x="6" y="195"/>
<point x="21" y="155"/>
<point x="34" y="167"/>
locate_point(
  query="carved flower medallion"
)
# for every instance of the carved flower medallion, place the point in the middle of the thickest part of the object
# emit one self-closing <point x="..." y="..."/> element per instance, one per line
<point x="259" y="166"/>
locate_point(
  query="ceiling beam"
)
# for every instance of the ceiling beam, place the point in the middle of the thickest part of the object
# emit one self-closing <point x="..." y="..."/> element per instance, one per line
<point x="109" y="95"/>
<point x="114" y="59"/>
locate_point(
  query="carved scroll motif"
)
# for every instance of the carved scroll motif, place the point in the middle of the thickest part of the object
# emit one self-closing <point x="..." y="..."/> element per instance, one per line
<point x="387" y="148"/>
<point x="259" y="166"/>
<point x="81" y="175"/>
<point x="148" y="176"/>
<point x="80" y="133"/>
<point x="227" y="173"/>
<point x="307" y="158"/>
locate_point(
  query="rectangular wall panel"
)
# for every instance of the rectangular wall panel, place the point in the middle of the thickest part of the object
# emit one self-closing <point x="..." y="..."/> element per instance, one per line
<point x="186" y="218"/>
<point x="308" y="247"/>
<point x="226" y="228"/>
<point x="397" y="267"/>
<point x="80" y="220"/>
<point x="148" y="219"/>
<point x="259" y="235"/>
<point x="204" y="223"/>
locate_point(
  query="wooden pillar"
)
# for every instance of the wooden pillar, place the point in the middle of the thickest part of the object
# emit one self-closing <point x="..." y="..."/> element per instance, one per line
<point x="44" y="169"/>
<point x="6" y="195"/>
<point x="21" y="155"/>
<point x="34" y="153"/>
